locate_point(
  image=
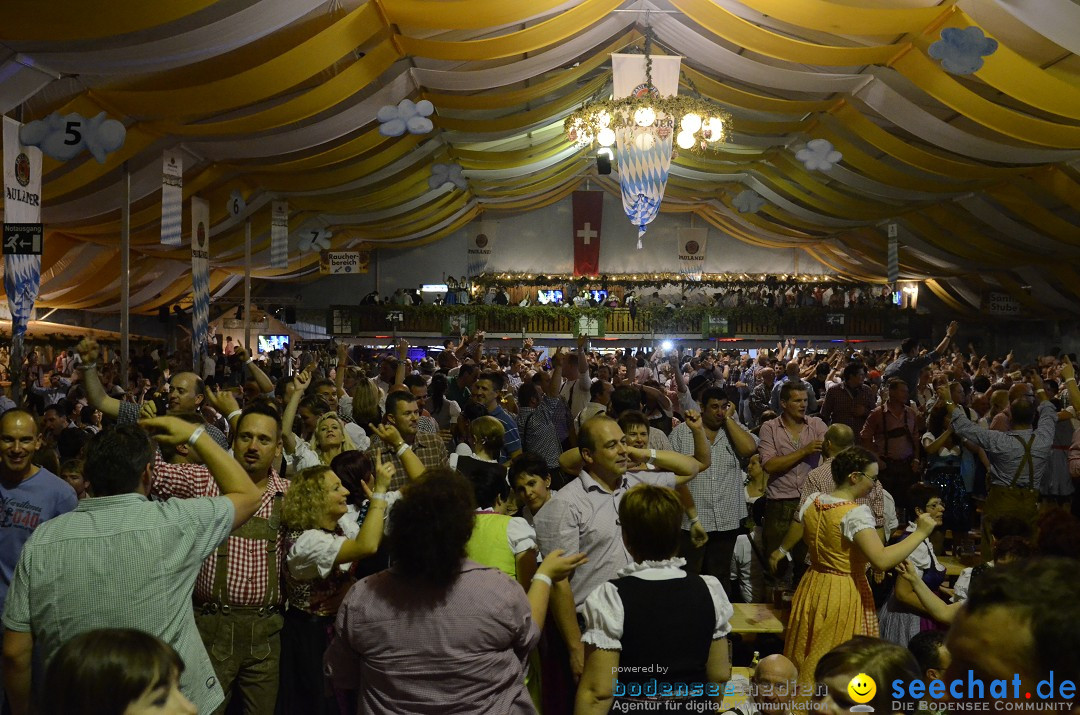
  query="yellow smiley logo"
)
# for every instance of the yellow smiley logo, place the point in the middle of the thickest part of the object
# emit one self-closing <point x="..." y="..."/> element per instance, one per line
<point x="862" y="688"/>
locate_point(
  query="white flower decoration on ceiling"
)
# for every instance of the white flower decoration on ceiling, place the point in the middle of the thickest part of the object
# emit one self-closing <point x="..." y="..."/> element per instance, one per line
<point x="818" y="155"/>
<point x="442" y="174"/>
<point x="748" y="202"/>
<point x="405" y="116"/>
<point x="962" y="51"/>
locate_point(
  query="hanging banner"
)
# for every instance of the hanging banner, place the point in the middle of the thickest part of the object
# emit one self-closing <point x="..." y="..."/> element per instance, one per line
<point x="200" y="279"/>
<point x="588" y="215"/>
<point x="480" y="247"/>
<point x="691" y="249"/>
<point x="344" y="262"/>
<point x="279" y="234"/>
<point x="172" y="197"/>
<point x="644" y="152"/>
<point x="22" y="223"/>
<point x="894" y="260"/>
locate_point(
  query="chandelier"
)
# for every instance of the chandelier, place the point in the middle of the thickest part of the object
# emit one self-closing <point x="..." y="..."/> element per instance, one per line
<point x="695" y="121"/>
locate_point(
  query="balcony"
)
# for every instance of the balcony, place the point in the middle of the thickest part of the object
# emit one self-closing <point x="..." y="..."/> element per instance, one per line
<point x="752" y="321"/>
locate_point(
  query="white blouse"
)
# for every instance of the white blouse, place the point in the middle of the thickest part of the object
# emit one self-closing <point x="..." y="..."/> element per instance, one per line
<point x="604" y="612"/>
<point x="856" y="520"/>
<point x="313" y="554"/>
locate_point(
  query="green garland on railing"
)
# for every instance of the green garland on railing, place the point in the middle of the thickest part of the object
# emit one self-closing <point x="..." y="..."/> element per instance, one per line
<point x="660" y="318"/>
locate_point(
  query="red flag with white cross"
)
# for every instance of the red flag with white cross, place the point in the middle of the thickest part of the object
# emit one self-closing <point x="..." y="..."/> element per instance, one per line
<point x="588" y="213"/>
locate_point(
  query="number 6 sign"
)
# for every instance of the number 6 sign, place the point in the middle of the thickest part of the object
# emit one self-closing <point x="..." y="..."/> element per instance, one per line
<point x="236" y="204"/>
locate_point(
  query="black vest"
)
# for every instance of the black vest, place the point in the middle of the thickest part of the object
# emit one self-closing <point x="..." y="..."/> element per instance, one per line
<point x="668" y="623"/>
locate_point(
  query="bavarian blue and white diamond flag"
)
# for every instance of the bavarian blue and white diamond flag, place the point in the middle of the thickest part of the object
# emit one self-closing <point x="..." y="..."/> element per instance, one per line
<point x="22" y="204"/>
<point x="644" y="152"/>
<point x="200" y="279"/>
<point x="172" y="198"/>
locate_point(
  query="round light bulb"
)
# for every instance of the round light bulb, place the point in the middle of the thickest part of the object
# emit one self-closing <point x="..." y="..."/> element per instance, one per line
<point x="606" y="136"/>
<point x="644" y="141"/>
<point x="603" y="119"/>
<point x="685" y="140"/>
<point x="644" y="117"/>
<point x="714" y="129"/>
<point x="691" y="123"/>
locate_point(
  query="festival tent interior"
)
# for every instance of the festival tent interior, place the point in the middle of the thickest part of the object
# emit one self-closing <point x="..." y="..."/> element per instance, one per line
<point x="391" y="124"/>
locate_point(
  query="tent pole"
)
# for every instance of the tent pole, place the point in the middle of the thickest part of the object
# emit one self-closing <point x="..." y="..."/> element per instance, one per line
<point x="125" y="279"/>
<point x="247" y="288"/>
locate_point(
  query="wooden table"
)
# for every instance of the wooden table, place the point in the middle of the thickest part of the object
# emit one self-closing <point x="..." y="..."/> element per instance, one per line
<point x="757" y="618"/>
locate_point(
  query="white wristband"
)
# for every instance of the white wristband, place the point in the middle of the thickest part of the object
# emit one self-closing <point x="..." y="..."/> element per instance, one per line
<point x="401" y="450"/>
<point x="199" y="431"/>
<point x="1070" y="379"/>
<point x="784" y="552"/>
<point x="695" y="520"/>
<point x="86" y="366"/>
<point x="652" y="456"/>
<point x="234" y="413"/>
<point x="544" y="578"/>
<point x="378" y="496"/>
<point x="249" y="361"/>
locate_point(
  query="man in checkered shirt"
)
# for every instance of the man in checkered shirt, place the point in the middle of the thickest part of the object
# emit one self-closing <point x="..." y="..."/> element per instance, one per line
<point x="538" y="401"/>
<point x="69" y="579"/>
<point x="238" y="601"/>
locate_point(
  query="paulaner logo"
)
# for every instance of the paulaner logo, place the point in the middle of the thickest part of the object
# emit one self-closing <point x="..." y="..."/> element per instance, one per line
<point x="962" y="692"/>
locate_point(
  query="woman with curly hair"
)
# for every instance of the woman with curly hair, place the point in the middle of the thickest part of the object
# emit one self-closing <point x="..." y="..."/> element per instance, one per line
<point x="328" y="439"/>
<point x="321" y="544"/>
<point x="469" y="627"/>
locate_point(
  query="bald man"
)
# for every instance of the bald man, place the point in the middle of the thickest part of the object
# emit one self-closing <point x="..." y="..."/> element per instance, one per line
<point x="29" y="495"/>
<point x="185" y="396"/>
<point x="773" y="687"/>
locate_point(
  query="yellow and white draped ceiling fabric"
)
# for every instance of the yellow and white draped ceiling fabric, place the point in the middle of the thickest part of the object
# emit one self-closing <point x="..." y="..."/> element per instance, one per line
<point x="847" y="115"/>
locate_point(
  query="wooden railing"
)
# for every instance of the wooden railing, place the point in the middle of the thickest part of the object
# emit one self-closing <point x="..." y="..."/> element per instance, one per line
<point x="858" y="322"/>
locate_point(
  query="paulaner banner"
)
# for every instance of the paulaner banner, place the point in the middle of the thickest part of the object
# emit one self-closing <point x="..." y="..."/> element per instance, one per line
<point x="172" y="198"/>
<point x="480" y="248"/>
<point x="22" y="208"/>
<point x="691" y="244"/>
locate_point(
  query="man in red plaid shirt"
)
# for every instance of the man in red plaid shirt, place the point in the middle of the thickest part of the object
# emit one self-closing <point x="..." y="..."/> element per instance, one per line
<point x="238" y="603"/>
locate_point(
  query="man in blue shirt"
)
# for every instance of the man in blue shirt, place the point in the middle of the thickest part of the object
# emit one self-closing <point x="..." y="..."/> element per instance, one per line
<point x="29" y="495"/>
<point x="486" y="392"/>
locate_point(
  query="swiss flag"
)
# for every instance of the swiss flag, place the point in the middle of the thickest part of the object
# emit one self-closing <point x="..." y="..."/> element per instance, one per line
<point x="588" y="213"/>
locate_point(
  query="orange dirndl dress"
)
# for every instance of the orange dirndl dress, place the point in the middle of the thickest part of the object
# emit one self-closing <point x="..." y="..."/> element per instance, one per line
<point x="833" y="602"/>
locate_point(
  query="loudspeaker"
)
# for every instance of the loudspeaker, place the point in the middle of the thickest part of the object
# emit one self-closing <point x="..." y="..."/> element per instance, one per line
<point x="163" y="314"/>
<point x="603" y="164"/>
<point x="290" y="314"/>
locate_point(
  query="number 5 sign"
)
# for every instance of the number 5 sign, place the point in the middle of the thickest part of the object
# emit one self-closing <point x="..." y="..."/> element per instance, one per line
<point x="65" y="136"/>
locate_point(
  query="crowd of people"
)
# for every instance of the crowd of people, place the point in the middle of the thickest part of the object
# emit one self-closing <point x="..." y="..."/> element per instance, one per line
<point x="770" y="294"/>
<point x="528" y="530"/>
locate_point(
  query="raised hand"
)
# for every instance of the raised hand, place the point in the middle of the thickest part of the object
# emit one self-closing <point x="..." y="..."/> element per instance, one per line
<point x="302" y="379"/>
<point x="693" y="420"/>
<point x="224" y="401"/>
<point x="88" y="350"/>
<point x="944" y="393"/>
<point x="168" y="430"/>
<point x="1068" y="372"/>
<point x="925" y="524"/>
<point x="388" y="434"/>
